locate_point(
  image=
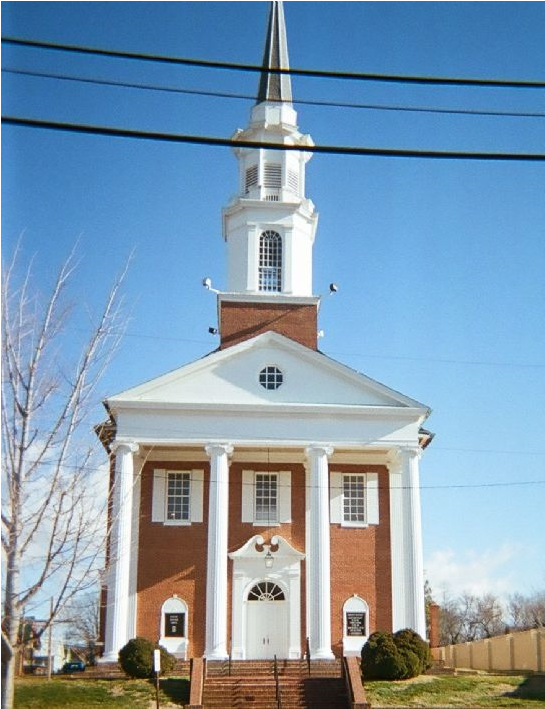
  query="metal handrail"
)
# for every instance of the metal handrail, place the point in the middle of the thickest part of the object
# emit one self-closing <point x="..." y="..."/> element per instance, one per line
<point x="307" y="652"/>
<point x="277" y="684"/>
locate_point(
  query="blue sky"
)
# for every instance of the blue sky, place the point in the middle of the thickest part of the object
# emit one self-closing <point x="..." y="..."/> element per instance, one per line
<point x="439" y="264"/>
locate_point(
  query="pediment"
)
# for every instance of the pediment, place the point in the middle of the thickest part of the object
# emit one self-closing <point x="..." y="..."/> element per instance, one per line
<point x="231" y="377"/>
<point x="256" y="549"/>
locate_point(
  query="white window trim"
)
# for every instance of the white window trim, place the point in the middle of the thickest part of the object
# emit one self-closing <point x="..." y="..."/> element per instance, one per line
<point x="283" y="497"/>
<point x="371" y="501"/>
<point x="159" y="498"/>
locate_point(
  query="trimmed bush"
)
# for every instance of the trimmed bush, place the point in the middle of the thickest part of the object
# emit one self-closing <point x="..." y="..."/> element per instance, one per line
<point x="393" y="657"/>
<point x="381" y="659"/>
<point x="136" y="658"/>
<point x="409" y="641"/>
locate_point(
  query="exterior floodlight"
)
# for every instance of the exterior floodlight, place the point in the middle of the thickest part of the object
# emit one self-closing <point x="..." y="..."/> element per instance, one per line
<point x="213" y="330"/>
<point x="332" y="288"/>
<point x="207" y="283"/>
<point x="320" y="333"/>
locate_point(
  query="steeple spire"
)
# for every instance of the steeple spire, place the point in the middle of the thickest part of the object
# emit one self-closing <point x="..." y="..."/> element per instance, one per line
<point x="270" y="224"/>
<point x="274" y="86"/>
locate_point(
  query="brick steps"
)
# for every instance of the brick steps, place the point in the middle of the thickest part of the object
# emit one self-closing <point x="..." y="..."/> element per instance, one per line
<point x="315" y="692"/>
<point x="251" y="684"/>
<point x="264" y="668"/>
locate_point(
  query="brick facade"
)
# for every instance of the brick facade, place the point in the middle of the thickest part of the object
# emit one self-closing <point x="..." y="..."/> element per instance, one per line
<point x="172" y="559"/>
<point x="240" y="321"/>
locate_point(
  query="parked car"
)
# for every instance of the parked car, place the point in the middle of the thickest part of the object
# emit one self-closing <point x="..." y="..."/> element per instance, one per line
<point x="74" y="666"/>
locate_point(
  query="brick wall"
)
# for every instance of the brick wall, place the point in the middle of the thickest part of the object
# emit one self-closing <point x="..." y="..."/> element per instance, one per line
<point x="172" y="559"/>
<point x="361" y="564"/>
<point x="241" y="321"/>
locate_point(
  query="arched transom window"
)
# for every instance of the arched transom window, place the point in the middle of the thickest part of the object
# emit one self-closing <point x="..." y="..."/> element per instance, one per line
<point x="266" y="591"/>
<point x="270" y="261"/>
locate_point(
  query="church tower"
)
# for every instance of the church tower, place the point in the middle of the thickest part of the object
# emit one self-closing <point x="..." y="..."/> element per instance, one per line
<point x="269" y="226"/>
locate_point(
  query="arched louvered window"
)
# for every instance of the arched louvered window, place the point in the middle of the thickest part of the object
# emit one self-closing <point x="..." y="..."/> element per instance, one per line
<point x="266" y="591"/>
<point x="270" y="261"/>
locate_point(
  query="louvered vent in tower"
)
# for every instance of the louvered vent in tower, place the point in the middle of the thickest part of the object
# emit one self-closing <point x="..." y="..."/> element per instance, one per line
<point x="293" y="181"/>
<point x="272" y="178"/>
<point x="251" y="178"/>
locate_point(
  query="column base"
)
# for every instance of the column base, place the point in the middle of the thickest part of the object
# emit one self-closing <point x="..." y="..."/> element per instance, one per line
<point x="322" y="654"/>
<point x="108" y="657"/>
<point x="217" y="656"/>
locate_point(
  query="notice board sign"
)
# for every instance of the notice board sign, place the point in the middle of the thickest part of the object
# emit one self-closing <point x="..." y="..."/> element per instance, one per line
<point x="174" y="625"/>
<point x="355" y="623"/>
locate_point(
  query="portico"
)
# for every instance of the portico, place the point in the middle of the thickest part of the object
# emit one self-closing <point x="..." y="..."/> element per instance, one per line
<point x="313" y="470"/>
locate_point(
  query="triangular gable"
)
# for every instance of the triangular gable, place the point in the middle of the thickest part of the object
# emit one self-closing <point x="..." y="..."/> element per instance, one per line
<point x="231" y="376"/>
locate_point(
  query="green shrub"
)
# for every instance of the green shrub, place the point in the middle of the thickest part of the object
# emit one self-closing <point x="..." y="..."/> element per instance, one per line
<point x="136" y="658"/>
<point x="393" y="657"/>
<point x="409" y="641"/>
<point x="381" y="659"/>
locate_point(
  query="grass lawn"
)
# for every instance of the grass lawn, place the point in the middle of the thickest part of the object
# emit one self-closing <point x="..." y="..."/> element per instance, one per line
<point x="459" y="691"/>
<point x="31" y="693"/>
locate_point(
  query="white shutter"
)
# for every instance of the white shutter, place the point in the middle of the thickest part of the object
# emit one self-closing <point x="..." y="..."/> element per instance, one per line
<point x="335" y="498"/>
<point x="197" y="483"/>
<point x="371" y="490"/>
<point x="247" y="496"/>
<point x="158" y="502"/>
<point x="284" y="496"/>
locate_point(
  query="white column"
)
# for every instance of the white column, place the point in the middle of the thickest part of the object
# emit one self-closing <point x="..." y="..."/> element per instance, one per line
<point x="318" y="561"/>
<point x="117" y="610"/>
<point x="397" y="548"/>
<point x="216" y="572"/>
<point x="412" y="538"/>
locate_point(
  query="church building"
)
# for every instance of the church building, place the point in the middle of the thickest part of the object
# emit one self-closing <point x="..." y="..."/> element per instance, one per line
<point x="266" y="495"/>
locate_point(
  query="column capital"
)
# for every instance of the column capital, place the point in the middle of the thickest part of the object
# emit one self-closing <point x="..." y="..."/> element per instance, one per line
<point x="129" y="446"/>
<point x="398" y="456"/>
<point x="317" y="448"/>
<point x="218" y="449"/>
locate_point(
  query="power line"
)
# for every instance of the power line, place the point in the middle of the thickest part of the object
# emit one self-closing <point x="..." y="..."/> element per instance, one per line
<point x="330" y="353"/>
<point x="441" y="360"/>
<point x="317" y="73"/>
<point x="307" y="486"/>
<point x="251" y="97"/>
<point x="230" y="143"/>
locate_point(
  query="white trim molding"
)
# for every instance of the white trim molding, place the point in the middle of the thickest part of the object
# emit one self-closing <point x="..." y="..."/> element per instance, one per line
<point x="251" y="566"/>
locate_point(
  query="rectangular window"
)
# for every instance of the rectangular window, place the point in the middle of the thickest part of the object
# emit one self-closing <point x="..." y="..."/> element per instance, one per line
<point x="266" y="497"/>
<point x="354" y="498"/>
<point x="178" y="496"/>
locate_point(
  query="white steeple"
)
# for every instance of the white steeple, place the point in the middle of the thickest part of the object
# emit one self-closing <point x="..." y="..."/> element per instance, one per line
<point x="269" y="226"/>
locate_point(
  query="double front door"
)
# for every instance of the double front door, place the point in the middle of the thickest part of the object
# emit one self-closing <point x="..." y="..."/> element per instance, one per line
<point x="266" y="626"/>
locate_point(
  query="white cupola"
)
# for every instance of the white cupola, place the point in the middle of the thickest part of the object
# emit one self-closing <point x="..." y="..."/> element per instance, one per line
<point x="269" y="225"/>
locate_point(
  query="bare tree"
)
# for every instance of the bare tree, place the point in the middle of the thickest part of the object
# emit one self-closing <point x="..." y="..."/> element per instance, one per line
<point x="52" y="517"/>
<point x="489" y="616"/>
<point x="527" y="612"/>
<point x="470" y="617"/>
<point x="82" y="617"/>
